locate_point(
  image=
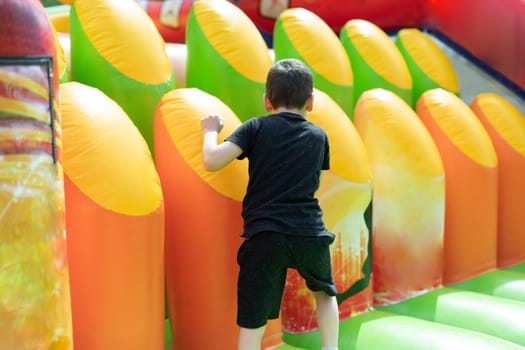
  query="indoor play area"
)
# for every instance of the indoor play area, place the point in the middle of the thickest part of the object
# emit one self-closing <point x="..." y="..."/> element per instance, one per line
<point x="114" y="236"/>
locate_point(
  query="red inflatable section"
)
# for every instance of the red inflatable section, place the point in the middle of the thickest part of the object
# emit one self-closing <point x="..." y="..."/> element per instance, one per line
<point x="387" y="14"/>
<point x="19" y="39"/>
<point x="170" y="17"/>
<point x="491" y="30"/>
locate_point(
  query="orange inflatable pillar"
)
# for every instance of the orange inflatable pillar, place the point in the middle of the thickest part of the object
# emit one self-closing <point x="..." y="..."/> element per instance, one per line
<point x="471" y="171"/>
<point x="203" y="222"/>
<point x="506" y="127"/>
<point x="115" y="226"/>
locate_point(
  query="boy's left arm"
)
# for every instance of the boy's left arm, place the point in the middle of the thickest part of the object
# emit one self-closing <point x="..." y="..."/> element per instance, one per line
<point x="216" y="156"/>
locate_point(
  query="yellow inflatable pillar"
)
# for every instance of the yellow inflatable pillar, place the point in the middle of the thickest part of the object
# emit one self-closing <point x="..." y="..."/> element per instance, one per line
<point x="376" y="61"/>
<point x="471" y="178"/>
<point x="344" y="195"/>
<point x="115" y="226"/>
<point x="506" y="128"/>
<point x="301" y="34"/>
<point x="409" y="198"/>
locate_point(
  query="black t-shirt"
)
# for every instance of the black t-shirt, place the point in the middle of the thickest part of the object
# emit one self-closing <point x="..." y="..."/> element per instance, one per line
<point x="286" y="154"/>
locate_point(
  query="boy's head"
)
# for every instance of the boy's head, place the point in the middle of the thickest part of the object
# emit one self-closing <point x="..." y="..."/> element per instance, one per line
<point x="289" y="84"/>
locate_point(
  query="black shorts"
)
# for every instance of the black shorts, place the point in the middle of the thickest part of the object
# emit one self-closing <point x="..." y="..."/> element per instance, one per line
<point x="264" y="260"/>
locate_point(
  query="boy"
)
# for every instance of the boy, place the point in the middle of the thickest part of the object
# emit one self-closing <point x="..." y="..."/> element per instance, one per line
<point x="283" y="223"/>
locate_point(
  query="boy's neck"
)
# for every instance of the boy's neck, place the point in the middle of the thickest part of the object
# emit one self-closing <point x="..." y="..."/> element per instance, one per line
<point x="301" y="111"/>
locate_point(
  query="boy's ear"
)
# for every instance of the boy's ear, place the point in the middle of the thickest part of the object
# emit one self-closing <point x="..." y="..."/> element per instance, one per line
<point x="267" y="104"/>
<point x="310" y="103"/>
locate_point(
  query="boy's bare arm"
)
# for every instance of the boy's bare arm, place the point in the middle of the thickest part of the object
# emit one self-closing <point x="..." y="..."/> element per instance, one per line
<point x="216" y="156"/>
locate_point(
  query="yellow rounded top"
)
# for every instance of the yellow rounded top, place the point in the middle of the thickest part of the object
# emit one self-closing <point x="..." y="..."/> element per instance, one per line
<point x="379" y="52"/>
<point x="392" y="130"/>
<point x="314" y="40"/>
<point x="505" y="118"/>
<point x="181" y="111"/>
<point x="227" y="29"/>
<point x="347" y="154"/>
<point x="460" y="124"/>
<point x="105" y="155"/>
<point x="429" y="58"/>
<point x="125" y="36"/>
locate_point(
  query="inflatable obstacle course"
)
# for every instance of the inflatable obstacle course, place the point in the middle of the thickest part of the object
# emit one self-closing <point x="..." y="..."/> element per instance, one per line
<point x="469" y="281"/>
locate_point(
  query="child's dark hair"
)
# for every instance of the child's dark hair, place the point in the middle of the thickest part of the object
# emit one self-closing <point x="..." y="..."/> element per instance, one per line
<point x="289" y="84"/>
